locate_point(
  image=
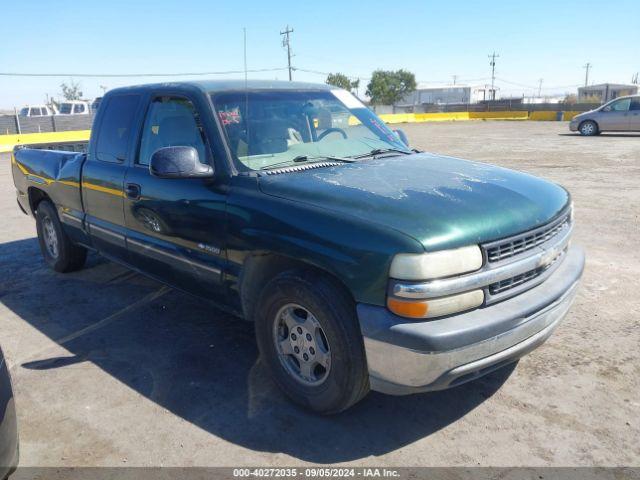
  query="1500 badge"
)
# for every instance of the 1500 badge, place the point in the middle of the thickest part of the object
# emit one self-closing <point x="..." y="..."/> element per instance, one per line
<point x="209" y="248"/>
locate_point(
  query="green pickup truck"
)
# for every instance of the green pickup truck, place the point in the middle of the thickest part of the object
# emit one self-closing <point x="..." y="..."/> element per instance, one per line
<point x="363" y="263"/>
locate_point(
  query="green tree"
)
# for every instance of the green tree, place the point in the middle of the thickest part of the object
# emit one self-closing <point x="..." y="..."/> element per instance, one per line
<point x="387" y="87"/>
<point x="71" y="90"/>
<point x="340" y="80"/>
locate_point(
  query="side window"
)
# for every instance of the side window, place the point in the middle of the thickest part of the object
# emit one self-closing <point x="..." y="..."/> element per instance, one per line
<point x="78" y="108"/>
<point x="171" y="122"/>
<point x="115" y="128"/>
<point x="635" y="104"/>
<point x="621" y="105"/>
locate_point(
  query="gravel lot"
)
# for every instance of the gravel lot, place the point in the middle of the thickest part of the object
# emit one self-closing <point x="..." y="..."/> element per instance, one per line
<point x="113" y="369"/>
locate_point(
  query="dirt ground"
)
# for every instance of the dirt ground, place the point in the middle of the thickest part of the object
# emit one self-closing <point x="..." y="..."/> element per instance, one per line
<point x="112" y="369"/>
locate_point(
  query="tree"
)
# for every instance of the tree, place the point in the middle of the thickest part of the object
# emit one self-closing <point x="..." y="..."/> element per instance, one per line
<point x="387" y="87"/>
<point x="570" y="99"/>
<point x="342" y="81"/>
<point x="71" y="90"/>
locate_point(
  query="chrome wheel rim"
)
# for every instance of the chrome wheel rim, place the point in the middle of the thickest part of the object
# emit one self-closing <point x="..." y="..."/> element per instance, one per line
<point x="50" y="237"/>
<point x="301" y="344"/>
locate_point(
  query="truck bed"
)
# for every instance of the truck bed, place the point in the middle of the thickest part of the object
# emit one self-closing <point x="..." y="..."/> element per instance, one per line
<point x="56" y="173"/>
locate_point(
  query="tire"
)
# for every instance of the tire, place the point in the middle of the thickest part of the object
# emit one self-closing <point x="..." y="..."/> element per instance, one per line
<point x="339" y="377"/>
<point x="60" y="253"/>
<point x="588" y="128"/>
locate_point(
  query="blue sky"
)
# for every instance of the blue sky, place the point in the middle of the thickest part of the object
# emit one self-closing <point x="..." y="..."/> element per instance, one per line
<point x="544" y="39"/>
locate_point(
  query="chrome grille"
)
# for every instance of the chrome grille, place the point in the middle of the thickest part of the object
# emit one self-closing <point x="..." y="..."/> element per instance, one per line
<point x="517" y="244"/>
<point x="509" y="283"/>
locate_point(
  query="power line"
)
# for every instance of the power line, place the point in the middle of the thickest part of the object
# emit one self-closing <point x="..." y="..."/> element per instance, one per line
<point x="286" y="42"/>
<point x="129" y="75"/>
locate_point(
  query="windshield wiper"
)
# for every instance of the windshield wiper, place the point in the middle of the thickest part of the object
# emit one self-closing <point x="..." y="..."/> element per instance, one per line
<point x="378" y="151"/>
<point x="307" y="158"/>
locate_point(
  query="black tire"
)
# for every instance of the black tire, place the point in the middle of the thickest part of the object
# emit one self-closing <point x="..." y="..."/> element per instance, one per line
<point x="589" y="128"/>
<point x="347" y="380"/>
<point x="66" y="257"/>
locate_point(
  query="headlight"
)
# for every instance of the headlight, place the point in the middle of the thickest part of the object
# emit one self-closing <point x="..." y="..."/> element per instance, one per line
<point x="427" y="266"/>
<point x="432" y="266"/>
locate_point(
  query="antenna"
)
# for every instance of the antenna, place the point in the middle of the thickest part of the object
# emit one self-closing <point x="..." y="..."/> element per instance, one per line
<point x="286" y="42"/>
<point x="244" y="34"/>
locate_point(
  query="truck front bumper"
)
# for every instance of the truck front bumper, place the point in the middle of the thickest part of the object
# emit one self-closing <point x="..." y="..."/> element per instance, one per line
<point x="406" y="356"/>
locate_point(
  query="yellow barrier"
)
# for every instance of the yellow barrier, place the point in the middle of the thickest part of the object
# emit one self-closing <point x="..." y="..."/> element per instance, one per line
<point x="8" y="142"/>
<point x="511" y="115"/>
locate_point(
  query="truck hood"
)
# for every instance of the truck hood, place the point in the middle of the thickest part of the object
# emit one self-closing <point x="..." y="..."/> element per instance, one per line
<point x="442" y="202"/>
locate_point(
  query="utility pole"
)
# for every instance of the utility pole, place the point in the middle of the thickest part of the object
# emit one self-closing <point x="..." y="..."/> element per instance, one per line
<point x="540" y="88"/>
<point x="587" y="67"/>
<point x="455" y="77"/>
<point x="286" y="42"/>
<point x="493" y="57"/>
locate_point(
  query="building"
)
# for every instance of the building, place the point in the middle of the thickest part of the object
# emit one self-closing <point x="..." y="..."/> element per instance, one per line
<point x="604" y="92"/>
<point x="446" y="94"/>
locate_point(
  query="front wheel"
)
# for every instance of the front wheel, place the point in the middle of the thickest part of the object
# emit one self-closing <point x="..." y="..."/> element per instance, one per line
<point x="57" y="248"/>
<point x="589" y="128"/>
<point x="310" y="341"/>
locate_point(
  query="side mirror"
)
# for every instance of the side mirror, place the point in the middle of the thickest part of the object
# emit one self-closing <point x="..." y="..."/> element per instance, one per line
<point x="402" y="136"/>
<point x="178" y="162"/>
<point x="607" y="108"/>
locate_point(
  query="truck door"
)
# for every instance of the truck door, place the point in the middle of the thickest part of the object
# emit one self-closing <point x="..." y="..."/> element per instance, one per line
<point x="103" y="175"/>
<point x="615" y="116"/>
<point x="175" y="227"/>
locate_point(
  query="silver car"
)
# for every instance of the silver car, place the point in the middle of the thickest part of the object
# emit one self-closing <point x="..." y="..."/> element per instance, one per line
<point x="619" y="115"/>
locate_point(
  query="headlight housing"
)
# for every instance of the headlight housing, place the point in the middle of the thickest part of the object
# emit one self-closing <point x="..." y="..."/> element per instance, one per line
<point x="432" y="266"/>
<point x="427" y="266"/>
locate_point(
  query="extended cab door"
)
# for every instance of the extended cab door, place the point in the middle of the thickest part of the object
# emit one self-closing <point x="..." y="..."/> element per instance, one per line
<point x="103" y="175"/>
<point x="175" y="227"/>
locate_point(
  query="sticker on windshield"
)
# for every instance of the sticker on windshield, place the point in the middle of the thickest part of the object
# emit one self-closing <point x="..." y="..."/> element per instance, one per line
<point x="348" y="99"/>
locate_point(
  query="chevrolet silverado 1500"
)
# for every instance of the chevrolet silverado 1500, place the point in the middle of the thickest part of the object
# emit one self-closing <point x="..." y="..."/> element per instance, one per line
<point x="363" y="263"/>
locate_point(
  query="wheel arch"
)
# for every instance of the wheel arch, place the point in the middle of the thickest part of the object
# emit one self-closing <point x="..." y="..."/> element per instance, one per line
<point x="259" y="268"/>
<point x="36" y="195"/>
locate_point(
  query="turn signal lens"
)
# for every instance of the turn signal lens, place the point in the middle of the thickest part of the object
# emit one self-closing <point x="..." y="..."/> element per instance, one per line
<point x="408" y="309"/>
<point x="436" y="307"/>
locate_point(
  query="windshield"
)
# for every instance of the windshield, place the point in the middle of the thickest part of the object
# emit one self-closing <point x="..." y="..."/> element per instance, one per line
<point x="66" y="108"/>
<point x="272" y="128"/>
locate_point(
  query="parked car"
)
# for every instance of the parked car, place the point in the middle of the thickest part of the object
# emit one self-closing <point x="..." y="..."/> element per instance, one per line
<point x="619" y="115"/>
<point x="74" y="107"/>
<point x="37" y="111"/>
<point x="8" y="423"/>
<point x="363" y="263"/>
<point x="96" y="104"/>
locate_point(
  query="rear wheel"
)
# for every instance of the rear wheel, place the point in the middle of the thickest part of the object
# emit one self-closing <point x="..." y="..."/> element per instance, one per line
<point x="310" y="341"/>
<point x="589" y="128"/>
<point x="57" y="248"/>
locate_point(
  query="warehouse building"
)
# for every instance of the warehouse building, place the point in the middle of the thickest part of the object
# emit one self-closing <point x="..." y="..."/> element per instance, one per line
<point x="604" y="92"/>
<point x="447" y="94"/>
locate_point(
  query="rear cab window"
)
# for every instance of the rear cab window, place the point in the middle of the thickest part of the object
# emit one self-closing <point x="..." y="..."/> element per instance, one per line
<point x="114" y="131"/>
